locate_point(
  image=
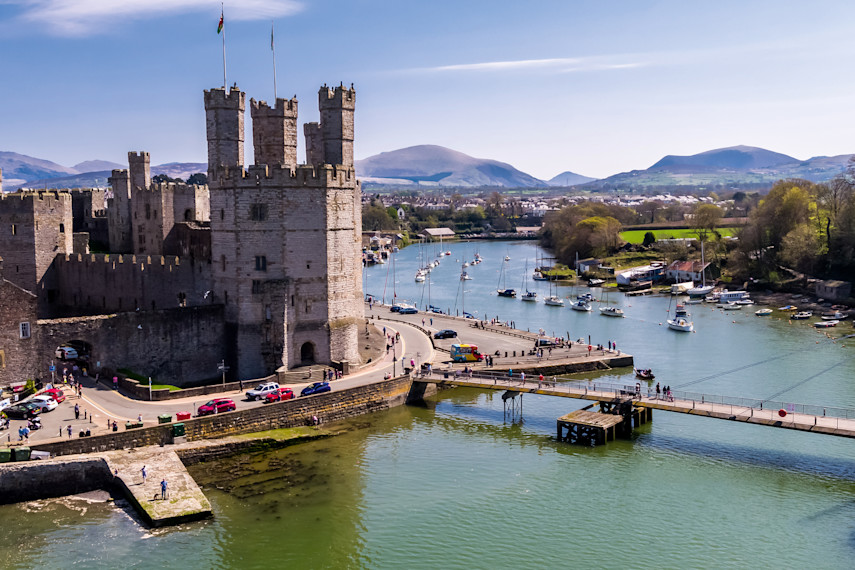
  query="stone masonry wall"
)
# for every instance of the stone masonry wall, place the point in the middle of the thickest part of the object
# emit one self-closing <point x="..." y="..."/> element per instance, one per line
<point x="31" y="480"/>
<point x="18" y="356"/>
<point x="331" y="406"/>
<point x="98" y="284"/>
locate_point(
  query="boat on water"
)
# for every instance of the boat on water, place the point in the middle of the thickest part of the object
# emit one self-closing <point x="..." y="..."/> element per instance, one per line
<point x="501" y="287"/>
<point x="826" y="324"/>
<point x="554" y="301"/>
<point x="680" y="324"/>
<point x="744" y="302"/>
<point x="420" y="276"/>
<point x="801" y="315"/>
<point x="644" y="373"/>
<point x="763" y="312"/>
<point x="704" y="289"/>
<point x="465" y="264"/>
<point x="729" y="306"/>
<point x="581" y="305"/>
<point x="610" y="311"/>
<point x="595" y="282"/>
<point x="788" y="308"/>
<point x="538" y="276"/>
<point x="835" y="316"/>
<point x="507" y="258"/>
<point x="529" y="296"/>
<point x="695" y="301"/>
<point x="506" y="292"/>
<point x="465" y="276"/>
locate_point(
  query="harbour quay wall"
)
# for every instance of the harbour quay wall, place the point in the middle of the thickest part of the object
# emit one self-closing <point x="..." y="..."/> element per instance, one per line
<point x="328" y="407"/>
<point x="31" y="480"/>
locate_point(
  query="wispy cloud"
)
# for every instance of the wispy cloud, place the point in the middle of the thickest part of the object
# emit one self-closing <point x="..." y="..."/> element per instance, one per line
<point x="87" y="17"/>
<point x="552" y="65"/>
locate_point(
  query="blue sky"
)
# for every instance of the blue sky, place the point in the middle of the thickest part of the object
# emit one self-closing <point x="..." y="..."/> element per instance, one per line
<point x="596" y="87"/>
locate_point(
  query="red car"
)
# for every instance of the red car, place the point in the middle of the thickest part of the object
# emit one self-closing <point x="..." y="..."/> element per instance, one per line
<point x="279" y="395"/>
<point x="216" y="407"/>
<point x="56" y="394"/>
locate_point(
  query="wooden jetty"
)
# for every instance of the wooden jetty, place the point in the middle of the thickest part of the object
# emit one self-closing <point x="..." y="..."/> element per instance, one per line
<point x="615" y="419"/>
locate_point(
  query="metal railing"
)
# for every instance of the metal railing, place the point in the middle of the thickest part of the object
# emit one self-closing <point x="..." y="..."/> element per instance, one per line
<point x="628" y="390"/>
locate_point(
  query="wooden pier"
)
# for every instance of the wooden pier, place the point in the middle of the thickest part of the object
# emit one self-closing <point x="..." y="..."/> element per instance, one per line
<point x="615" y="419"/>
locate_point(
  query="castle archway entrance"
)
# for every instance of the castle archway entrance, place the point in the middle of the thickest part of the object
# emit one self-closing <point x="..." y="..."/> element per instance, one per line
<point x="307" y="353"/>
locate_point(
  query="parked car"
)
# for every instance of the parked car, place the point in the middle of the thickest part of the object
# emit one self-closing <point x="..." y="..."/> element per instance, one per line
<point x="408" y="311"/>
<point x="217" y="406"/>
<point x="66" y="353"/>
<point x="56" y="394"/>
<point x="45" y="402"/>
<point x="445" y="333"/>
<point x="23" y="411"/>
<point x="261" y="390"/>
<point x="316" y="388"/>
<point x="279" y="395"/>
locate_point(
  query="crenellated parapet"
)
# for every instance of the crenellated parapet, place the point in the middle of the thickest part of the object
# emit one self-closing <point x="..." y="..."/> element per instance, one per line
<point x="224" y="121"/>
<point x="274" y="131"/>
<point x="282" y="176"/>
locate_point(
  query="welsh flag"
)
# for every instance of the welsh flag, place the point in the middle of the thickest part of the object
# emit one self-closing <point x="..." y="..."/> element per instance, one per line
<point x="220" y="25"/>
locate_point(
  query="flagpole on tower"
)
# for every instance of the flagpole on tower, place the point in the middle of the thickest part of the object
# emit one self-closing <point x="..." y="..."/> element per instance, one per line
<point x="222" y="29"/>
<point x="273" y="49"/>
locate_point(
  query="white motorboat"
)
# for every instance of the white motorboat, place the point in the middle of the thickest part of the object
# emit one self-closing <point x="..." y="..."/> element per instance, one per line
<point x="529" y="296"/>
<point x="554" y="301"/>
<point x="465" y="276"/>
<point x="581" y="305"/>
<point x="420" y="276"/>
<point x="835" y="316"/>
<point x="763" y="312"/>
<point x="610" y="311"/>
<point x="730" y="306"/>
<point x="825" y="324"/>
<point x="801" y="315"/>
<point x="744" y="302"/>
<point x="680" y="324"/>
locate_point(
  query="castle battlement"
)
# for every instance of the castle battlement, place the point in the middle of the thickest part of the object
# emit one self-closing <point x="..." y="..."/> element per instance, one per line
<point x="307" y="175"/>
<point x="134" y="156"/>
<point x="166" y="261"/>
<point x="283" y="108"/>
<point x="339" y="97"/>
<point x="217" y="97"/>
<point x="29" y="200"/>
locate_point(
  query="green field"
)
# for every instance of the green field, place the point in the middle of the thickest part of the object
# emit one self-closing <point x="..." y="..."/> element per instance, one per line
<point x="637" y="236"/>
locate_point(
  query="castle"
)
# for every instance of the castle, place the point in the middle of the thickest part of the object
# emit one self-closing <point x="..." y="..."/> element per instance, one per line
<point x="261" y="268"/>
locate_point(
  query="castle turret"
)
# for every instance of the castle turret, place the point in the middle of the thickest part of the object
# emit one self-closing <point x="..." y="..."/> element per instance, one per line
<point x="224" y="114"/>
<point x="314" y="143"/>
<point x="274" y="132"/>
<point x="119" y="212"/>
<point x="337" y="107"/>
<point x="140" y="167"/>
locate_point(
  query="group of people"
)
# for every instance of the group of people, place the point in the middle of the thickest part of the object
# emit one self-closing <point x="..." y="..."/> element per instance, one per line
<point x="664" y="393"/>
<point x="144" y="472"/>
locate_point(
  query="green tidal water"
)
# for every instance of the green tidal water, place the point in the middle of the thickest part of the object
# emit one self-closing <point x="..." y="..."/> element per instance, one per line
<point x="457" y="484"/>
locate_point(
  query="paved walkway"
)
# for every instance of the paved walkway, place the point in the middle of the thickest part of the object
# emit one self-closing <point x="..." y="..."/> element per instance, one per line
<point x="829" y="425"/>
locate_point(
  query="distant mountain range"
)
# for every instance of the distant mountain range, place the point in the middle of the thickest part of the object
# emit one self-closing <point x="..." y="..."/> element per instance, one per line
<point x="732" y="167"/>
<point x="432" y="166"/>
<point x="20" y="170"/>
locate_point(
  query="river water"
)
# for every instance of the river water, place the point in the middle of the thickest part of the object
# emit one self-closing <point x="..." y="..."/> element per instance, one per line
<point x="455" y="484"/>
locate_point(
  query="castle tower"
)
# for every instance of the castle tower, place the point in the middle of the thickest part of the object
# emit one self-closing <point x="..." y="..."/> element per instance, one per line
<point x="119" y="213"/>
<point x="140" y="167"/>
<point x="224" y="116"/>
<point x="274" y="132"/>
<point x="337" y="107"/>
<point x="314" y="143"/>
<point x="285" y="244"/>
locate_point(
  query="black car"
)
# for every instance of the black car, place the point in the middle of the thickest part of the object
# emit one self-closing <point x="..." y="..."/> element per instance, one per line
<point x="23" y="411"/>
<point x="445" y="333"/>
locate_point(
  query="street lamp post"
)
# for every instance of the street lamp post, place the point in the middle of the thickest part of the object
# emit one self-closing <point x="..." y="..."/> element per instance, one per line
<point x="221" y="367"/>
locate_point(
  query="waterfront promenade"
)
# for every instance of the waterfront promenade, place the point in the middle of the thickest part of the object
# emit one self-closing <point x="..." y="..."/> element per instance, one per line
<point x="802" y="417"/>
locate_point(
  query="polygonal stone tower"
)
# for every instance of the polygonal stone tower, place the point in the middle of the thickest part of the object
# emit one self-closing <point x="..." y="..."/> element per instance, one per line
<point x="286" y="238"/>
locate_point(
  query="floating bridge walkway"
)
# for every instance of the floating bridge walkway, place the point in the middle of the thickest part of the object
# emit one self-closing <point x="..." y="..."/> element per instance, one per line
<point x="803" y="417"/>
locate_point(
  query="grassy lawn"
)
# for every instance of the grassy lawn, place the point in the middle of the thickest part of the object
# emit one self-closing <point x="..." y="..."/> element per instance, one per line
<point x="637" y="236"/>
<point x="144" y="380"/>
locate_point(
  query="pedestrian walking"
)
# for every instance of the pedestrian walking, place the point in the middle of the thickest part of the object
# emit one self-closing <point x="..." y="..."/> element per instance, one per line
<point x="423" y="322"/>
<point x="657" y="390"/>
<point x="139" y="418"/>
<point x="144" y="474"/>
<point x="76" y="411"/>
<point x="69" y="431"/>
<point x="522" y="377"/>
<point x="115" y="382"/>
<point x="163" y="489"/>
<point x="431" y="321"/>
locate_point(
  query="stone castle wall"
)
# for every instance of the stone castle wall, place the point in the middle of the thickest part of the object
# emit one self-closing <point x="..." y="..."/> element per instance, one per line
<point x="18" y="356"/>
<point x="99" y="283"/>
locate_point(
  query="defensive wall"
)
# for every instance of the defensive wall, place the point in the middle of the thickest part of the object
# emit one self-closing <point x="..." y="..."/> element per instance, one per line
<point x="173" y="346"/>
<point x="328" y="407"/>
<point x="32" y="480"/>
<point x="103" y="283"/>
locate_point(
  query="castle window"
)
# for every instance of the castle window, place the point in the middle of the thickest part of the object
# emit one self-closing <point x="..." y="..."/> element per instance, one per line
<point x="14" y="230"/>
<point x="148" y="211"/>
<point x="258" y="212"/>
<point x="268" y="315"/>
<point x="222" y="214"/>
<point x="256" y="286"/>
<point x="223" y="261"/>
<point x="155" y="214"/>
<point x="260" y="263"/>
<point x="292" y="300"/>
<point x="62" y="228"/>
<point x="24" y="330"/>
